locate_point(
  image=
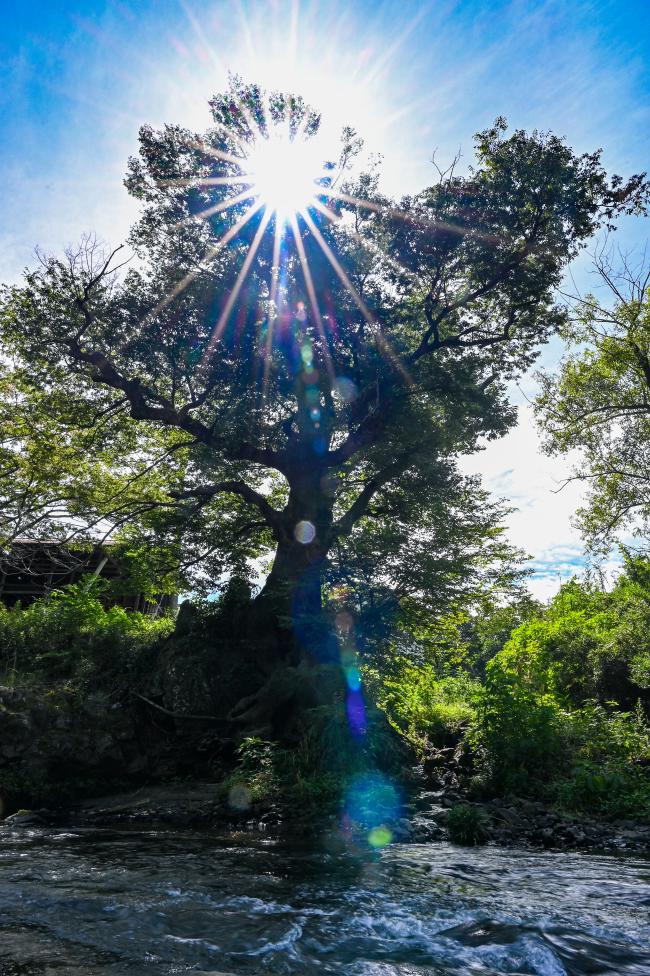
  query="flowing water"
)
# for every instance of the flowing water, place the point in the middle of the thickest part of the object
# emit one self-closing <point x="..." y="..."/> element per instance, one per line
<point x="115" y="903"/>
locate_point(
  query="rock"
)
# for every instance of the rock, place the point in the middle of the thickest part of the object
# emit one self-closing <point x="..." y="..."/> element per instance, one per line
<point x="23" y="819"/>
<point x="509" y="814"/>
<point x="48" y="739"/>
<point x="575" y="834"/>
<point x="402" y="830"/>
<point x="427" y="796"/>
<point x="546" y="836"/>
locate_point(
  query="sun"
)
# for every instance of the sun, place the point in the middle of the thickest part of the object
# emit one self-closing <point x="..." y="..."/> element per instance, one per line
<point x="285" y="172"/>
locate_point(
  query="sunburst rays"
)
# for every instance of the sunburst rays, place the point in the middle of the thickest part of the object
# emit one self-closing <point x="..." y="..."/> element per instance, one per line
<point x="271" y="172"/>
<point x="313" y="300"/>
<point x="272" y="310"/>
<point x="384" y="345"/>
<point x="181" y="285"/>
<point x="222" y="321"/>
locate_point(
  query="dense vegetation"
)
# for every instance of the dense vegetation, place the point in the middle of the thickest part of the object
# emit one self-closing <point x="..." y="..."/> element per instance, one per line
<point x="71" y="635"/>
<point x="549" y="701"/>
<point x="558" y="708"/>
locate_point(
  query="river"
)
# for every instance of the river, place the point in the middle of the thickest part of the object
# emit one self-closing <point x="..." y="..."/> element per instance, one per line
<point x="130" y="903"/>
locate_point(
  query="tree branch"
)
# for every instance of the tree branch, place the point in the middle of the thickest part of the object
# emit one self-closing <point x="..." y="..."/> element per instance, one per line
<point x="345" y="524"/>
<point x="162" y="411"/>
<point x="234" y="487"/>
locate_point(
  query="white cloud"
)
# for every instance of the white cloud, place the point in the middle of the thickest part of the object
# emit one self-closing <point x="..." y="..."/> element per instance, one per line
<point x="515" y="468"/>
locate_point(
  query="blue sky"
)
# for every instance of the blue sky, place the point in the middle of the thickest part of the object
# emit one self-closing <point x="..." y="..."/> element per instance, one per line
<point x="77" y="79"/>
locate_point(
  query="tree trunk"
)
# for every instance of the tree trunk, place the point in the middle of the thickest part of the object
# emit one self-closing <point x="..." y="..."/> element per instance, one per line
<point x="296" y="577"/>
<point x="292" y="594"/>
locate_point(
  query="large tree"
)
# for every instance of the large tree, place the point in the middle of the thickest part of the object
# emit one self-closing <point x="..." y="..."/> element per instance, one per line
<point x="304" y="381"/>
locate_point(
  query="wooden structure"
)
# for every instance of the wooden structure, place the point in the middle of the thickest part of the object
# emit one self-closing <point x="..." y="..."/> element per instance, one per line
<point x="30" y="569"/>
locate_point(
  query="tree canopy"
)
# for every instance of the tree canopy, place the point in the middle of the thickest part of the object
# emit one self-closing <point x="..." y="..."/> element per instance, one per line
<point x="252" y="381"/>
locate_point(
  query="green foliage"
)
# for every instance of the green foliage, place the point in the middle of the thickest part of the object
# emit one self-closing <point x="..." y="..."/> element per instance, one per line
<point x="491" y="625"/>
<point x="414" y="592"/>
<point x="255" y="771"/>
<point x="589" y="643"/>
<point x="467" y="825"/>
<point x="519" y="734"/>
<point x="131" y="397"/>
<point x="551" y="701"/>
<point x="71" y="634"/>
<point x="606" y="734"/>
<point x="538" y="715"/>
<point x="610" y="776"/>
<point x="596" y="404"/>
<point x="613" y="791"/>
<point x="314" y="772"/>
<point x="301" y="780"/>
<point x="423" y="707"/>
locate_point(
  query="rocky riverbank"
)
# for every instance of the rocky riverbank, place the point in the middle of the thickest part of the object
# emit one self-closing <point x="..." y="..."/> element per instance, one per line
<point x="205" y="805"/>
<point x="523" y="822"/>
<point x="57" y="748"/>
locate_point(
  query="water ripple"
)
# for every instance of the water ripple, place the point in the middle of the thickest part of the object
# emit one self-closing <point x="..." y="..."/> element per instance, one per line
<point x="160" y="903"/>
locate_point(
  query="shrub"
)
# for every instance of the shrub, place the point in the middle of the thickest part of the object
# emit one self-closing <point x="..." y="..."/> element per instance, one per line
<point x="467" y="824"/>
<point x="606" y="734"/>
<point x="256" y="777"/>
<point x="424" y="707"/>
<point x="613" y="791"/>
<point x="520" y="736"/>
<point x="69" y="633"/>
<point x="610" y="776"/>
<point x="294" y="777"/>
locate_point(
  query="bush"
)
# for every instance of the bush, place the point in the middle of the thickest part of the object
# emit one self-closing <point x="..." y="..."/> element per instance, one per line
<point x="520" y="736"/>
<point x="256" y="777"/>
<point x="612" y="791"/>
<point x="606" y="734"/>
<point x="70" y="634"/>
<point x="296" y="778"/>
<point x="424" y="707"/>
<point x="611" y="772"/>
<point x="467" y="825"/>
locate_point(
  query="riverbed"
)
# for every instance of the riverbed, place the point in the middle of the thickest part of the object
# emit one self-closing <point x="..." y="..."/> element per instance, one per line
<point x="134" y="902"/>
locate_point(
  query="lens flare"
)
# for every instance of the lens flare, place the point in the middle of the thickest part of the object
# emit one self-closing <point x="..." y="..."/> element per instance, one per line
<point x="356" y="713"/>
<point x="239" y="797"/>
<point x="380" y="837"/>
<point x="304" y="532"/>
<point x="284" y="172"/>
<point x="372" y="801"/>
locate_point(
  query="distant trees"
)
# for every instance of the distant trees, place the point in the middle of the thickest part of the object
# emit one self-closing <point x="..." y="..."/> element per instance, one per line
<point x="598" y="401"/>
